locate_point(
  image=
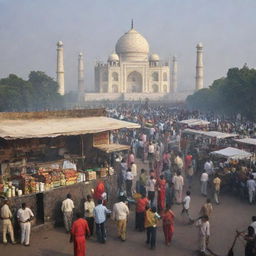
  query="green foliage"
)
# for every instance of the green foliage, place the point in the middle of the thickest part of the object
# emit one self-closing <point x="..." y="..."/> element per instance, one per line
<point x="39" y="92"/>
<point x="231" y="95"/>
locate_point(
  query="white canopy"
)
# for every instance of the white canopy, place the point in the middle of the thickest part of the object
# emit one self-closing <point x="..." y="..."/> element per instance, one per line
<point x="213" y="134"/>
<point x="53" y="127"/>
<point x="232" y="153"/>
<point x="249" y="141"/>
<point x="194" y="122"/>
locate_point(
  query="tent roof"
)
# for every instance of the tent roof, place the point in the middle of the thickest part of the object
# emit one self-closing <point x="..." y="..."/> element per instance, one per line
<point x="232" y="153"/>
<point x="109" y="148"/>
<point x="220" y="135"/>
<point x="215" y="134"/>
<point x="53" y="127"/>
<point x="194" y="122"/>
<point x="249" y="141"/>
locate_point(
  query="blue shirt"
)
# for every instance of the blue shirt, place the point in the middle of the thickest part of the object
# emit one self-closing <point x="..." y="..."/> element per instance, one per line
<point x="99" y="213"/>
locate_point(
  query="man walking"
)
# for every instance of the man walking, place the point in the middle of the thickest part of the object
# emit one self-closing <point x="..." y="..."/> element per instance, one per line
<point x="141" y="206"/>
<point x="120" y="215"/>
<point x="151" y="152"/>
<point x="207" y="208"/>
<point x="251" y="185"/>
<point x="143" y="181"/>
<point x="216" y="184"/>
<point x="79" y="232"/>
<point x="100" y="212"/>
<point x="186" y="205"/>
<point x="6" y="217"/>
<point x="150" y="224"/>
<point x="67" y="209"/>
<point x="89" y="206"/>
<point x="178" y="183"/>
<point x="25" y="215"/>
<point x="204" y="233"/>
<point x="151" y="187"/>
<point x="204" y="181"/>
<point x="134" y="173"/>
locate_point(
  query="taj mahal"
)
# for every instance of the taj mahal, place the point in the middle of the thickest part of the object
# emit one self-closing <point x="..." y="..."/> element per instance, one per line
<point x="131" y="69"/>
<point x="131" y="72"/>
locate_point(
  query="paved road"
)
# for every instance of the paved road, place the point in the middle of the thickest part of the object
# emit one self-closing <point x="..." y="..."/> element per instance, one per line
<point x="230" y="215"/>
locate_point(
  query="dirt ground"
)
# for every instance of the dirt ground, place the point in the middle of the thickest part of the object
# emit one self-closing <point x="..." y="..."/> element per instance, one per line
<point x="230" y="215"/>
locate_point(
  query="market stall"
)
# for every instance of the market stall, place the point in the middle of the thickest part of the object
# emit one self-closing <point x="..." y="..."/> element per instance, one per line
<point x="42" y="152"/>
<point x="247" y="143"/>
<point x="205" y="141"/>
<point x="232" y="153"/>
<point x="234" y="168"/>
<point x="194" y="123"/>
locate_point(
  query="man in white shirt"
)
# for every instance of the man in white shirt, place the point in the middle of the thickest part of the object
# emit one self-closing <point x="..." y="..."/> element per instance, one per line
<point x="178" y="183"/>
<point x="204" y="233"/>
<point x="67" y="209"/>
<point x="134" y="173"/>
<point x="6" y="217"/>
<point x="208" y="167"/>
<point x="151" y="187"/>
<point x="186" y="205"/>
<point x="251" y="185"/>
<point x="151" y="153"/>
<point x="120" y="214"/>
<point x="89" y="206"/>
<point x="204" y="181"/>
<point x="129" y="179"/>
<point x="25" y="215"/>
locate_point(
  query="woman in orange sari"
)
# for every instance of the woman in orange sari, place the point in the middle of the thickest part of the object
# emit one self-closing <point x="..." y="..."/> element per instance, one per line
<point x="161" y="187"/>
<point x="168" y="225"/>
<point x="98" y="191"/>
<point x="79" y="232"/>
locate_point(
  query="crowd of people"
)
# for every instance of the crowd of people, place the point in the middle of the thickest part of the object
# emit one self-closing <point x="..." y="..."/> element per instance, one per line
<point x="168" y="177"/>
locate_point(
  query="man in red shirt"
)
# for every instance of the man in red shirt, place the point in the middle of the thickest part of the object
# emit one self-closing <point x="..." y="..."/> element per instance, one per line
<point x="79" y="232"/>
<point x="188" y="161"/>
<point x="140" y="212"/>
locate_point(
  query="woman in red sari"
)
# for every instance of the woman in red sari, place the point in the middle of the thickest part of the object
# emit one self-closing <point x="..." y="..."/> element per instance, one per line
<point x="99" y="190"/>
<point x="161" y="187"/>
<point x="79" y="231"/>
<point x="168" y="225"/>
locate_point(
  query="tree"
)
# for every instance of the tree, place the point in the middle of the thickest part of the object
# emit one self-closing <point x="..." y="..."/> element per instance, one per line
<point x="45" y="91"/>
<point x="230" y="95"/>
<point x="39" y="92"/>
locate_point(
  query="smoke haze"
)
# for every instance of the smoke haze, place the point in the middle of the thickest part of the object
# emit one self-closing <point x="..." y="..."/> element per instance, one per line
<point x="30" y="29"/>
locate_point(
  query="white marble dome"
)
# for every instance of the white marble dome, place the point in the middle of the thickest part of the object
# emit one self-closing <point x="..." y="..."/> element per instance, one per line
<point x="132" y="46"/>
<point x="113" y="57"/>
<point x="154" y="57"/>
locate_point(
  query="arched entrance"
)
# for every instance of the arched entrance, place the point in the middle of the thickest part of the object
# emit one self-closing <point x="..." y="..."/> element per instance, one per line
<point x="155" y="88"/>
<point x="115" y="88"/>
<point x="134" y="82"/>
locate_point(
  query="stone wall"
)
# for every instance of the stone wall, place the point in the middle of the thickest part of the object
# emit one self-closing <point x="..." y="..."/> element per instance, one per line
<point x="163" y="97"/>
<point x="54" y="114"/>
<point x="52" y="199"/>
<point x="79" y="191"/>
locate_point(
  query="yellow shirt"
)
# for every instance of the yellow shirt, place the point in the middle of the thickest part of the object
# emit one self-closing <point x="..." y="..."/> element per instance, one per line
<point x="151" y="219"/>
<point x="216" y="183"/>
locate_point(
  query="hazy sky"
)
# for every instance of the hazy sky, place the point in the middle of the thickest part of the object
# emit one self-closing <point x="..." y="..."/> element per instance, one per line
<point x="29" y="30"/>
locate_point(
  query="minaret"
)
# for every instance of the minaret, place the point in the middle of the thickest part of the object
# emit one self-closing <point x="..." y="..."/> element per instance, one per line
<point x="60" y="68"/>
<point x="174" y="74"/>
<point x="80" y="77"/>
<point x="199" y="67"/>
